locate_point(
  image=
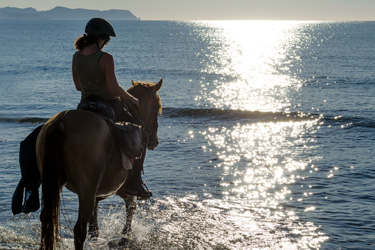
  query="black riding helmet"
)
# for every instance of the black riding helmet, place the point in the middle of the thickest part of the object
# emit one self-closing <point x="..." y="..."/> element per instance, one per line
<point x="99" y="27"/>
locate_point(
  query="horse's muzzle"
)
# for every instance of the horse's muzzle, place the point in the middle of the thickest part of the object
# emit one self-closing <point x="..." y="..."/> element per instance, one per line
<point x="153" y="142"/>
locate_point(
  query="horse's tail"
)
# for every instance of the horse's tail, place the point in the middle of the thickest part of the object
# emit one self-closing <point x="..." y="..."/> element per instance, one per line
<point x="52" y="166"/>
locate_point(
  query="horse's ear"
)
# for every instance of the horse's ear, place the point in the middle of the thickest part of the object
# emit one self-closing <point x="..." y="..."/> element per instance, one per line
<point x="158" y="85"/>
<point x="133" y="83"/>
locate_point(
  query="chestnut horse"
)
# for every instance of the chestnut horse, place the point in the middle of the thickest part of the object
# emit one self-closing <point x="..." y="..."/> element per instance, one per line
<point x="76" y="149"/>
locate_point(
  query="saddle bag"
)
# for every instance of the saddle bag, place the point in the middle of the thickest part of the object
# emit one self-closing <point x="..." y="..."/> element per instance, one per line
<point x="128" y="136"/>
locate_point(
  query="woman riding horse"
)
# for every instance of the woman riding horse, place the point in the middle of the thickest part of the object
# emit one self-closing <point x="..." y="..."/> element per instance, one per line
<point x="94" y="76"/>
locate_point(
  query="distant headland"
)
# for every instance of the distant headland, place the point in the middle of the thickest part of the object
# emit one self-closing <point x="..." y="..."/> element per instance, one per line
<point x="62" y="13"/>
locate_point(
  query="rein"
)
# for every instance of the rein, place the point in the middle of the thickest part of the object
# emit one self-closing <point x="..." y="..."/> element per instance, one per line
<point x="148" y="130"/>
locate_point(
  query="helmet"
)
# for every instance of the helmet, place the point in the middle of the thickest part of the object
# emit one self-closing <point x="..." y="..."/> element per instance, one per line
<point x="99" y="27"/>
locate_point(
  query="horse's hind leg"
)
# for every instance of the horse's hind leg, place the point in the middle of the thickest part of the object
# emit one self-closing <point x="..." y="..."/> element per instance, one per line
<point x="86" y="209"/>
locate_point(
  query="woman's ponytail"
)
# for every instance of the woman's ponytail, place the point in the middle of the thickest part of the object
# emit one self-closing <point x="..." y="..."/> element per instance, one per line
<point x="84" y="40"/>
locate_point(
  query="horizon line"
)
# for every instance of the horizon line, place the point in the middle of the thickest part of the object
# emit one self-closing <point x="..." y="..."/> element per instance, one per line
<point x="214" y="19"/>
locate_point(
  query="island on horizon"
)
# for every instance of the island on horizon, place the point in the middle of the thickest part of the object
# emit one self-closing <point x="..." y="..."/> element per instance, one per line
<point x="62" y="13"/>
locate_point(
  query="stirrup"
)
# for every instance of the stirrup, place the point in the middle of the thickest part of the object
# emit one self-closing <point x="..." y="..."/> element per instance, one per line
<point x="147" y="195"/>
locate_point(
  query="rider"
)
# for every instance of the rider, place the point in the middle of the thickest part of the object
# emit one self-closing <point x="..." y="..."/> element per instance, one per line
<point x="94" y="76"/>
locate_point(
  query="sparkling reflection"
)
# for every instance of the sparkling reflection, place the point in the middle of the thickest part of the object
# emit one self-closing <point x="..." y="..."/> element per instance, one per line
<point x="262" y="163"/>
<point x="254" y="59"/>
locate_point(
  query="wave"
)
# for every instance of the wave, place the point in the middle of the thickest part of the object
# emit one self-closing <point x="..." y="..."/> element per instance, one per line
<point x="211" y="114"/>
<point x="222" y="114"/>
<point x="257" y="116"/>
<point x="31" y="120"/>
<point x="351" y="121"/>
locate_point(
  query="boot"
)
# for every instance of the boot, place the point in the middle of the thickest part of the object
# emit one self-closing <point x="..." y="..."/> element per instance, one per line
<point x="31" y="201"/>
<point x="30" y="180"/>
<point x="134" y="183"/>
<point x="140" y="190"/>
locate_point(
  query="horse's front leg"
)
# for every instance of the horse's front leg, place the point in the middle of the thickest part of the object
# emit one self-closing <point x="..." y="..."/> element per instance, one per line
<point x="131" y="205"/>
<point x="93" y="222"/>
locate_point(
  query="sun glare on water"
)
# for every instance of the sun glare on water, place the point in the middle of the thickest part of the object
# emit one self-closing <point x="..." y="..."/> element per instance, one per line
<point x="262" y="158"/>
<point x="254" y="60"/>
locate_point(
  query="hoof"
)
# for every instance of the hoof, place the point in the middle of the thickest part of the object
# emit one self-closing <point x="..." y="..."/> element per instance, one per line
<point x="123" y="241"/>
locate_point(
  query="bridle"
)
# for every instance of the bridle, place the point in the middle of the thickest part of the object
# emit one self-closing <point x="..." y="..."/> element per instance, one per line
<point x="150" y="131"/>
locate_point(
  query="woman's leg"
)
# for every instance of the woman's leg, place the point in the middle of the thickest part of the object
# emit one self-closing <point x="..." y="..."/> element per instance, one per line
<point x="30" y="180"/>
<point x="134" y="184"/>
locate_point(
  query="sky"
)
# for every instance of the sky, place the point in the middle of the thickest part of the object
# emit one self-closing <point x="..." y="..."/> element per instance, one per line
<point x="326" y="10"/>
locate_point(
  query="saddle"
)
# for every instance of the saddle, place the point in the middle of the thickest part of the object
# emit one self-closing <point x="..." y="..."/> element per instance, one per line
<point x="97" y="106"/>
<point x="122" y="131"/>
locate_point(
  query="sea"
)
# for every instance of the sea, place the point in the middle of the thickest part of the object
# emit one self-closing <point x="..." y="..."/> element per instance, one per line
<point x="267" y="133"/>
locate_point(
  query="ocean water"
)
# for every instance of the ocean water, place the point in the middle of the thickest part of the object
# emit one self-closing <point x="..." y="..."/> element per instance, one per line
<point x="266" y="138"/>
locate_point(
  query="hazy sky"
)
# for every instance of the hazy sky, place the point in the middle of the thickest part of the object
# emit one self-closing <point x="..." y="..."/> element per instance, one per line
<point x="220" y="9"/>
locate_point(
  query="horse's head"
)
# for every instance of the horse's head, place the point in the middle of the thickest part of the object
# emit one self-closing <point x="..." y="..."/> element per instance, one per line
<point x="149" y="108"/>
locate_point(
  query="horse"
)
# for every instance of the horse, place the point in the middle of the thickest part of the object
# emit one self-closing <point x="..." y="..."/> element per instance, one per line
<point x="75" y="149"/>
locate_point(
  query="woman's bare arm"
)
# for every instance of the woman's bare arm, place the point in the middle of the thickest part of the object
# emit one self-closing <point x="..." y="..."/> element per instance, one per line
<point x="75" y="79"/>
<point x="108" y="66"/>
